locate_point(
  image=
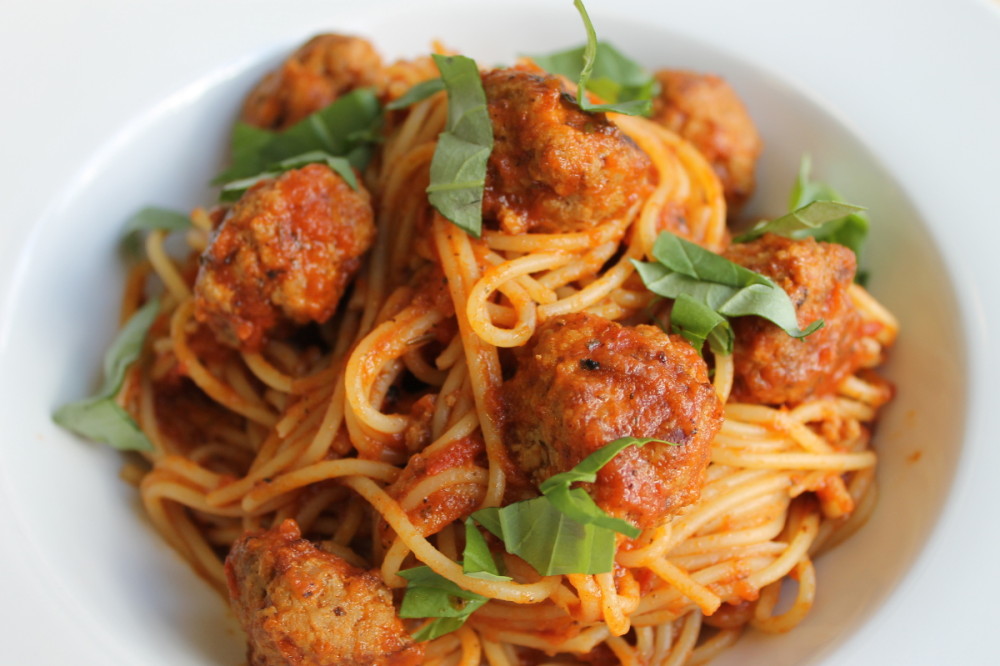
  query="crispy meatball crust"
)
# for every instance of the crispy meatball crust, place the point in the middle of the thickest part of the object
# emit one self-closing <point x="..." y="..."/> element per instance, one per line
<point x="583" y="381"/>
<point x="554" y="168"/>
<point x="320" y="71"/>
<point x="706" y="111"/>
<point x="302" y="605"/>
<point x="285" y="252"/>
<point x="774" y="368"/>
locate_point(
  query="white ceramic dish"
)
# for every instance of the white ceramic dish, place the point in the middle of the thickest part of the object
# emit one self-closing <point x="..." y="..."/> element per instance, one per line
<point x="119" y="105"/>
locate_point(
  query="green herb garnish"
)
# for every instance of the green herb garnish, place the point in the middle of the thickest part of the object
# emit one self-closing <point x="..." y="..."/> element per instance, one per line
<point x="417" y="93"/>
<point x="458" y="169"/>
<point x="348" y="129"/>
<point x="152" y="219"/>
<point x="712" y="283"/>
<point x="429" y="594"/>
<point x="849" y="231"/>
<point x="233" y="190"/>
<point x="605" y="71"/>
<point x="698" y="323"/>
<point x="563" y="531"/>
<point x="557" y="533"/>
<point x="99" y="417"/>
<point x="814" y="218"/>
<point x="477" y="560"/>
<point x="818" y="211"/>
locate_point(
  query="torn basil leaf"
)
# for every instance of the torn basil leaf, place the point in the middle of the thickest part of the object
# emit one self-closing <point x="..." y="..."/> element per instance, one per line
<point x="458" y="168"/>
<point x="812" y="218"/>
<point x="603" y="70"/>
<point x="615" y="77"/>
<point x="549" y="540"/>
<point x="576" y="503"/>
<point x="233" y="190"/>
<point x="586" y="470"/>
<point x="477" y="560"/>
<point x="151" y="219"/>
<point x="537" y="531"/>
<point x="730" y="290"/>
<point x="99" y="417"/>
<point x="417" y="93"/>
<point x="698" y="323"/>
<point x="563" y="531"/>
<point x="850" y="230"/>
<point x="348" y="128"/>
<point x="818" y="211"/>
<point x="429" y="594"/>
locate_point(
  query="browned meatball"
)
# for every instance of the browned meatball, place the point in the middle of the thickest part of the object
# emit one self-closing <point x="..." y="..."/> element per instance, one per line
<point x="706" y="111"/>
<point x="285" y="252"/>
<point x="323" y="69"/>
<point x="771" y="367"/>
<point x="584" y="381"/>
<point x="554" y="168"/>
<point x="302" y="605"/>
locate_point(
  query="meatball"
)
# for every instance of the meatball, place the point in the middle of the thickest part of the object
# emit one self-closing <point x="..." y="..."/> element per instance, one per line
<point x="323" y="69"/>
<point x="554" y="168"/>
<point x="302" y="605"/>
<point x="770" y="366"/>
<point x="285" y="252"/>
<point x="706" y="111"/>
<point x="599" y="381"/>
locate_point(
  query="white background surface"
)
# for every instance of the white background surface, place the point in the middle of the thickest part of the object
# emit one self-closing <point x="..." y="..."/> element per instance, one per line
<point x="917" y="82"/>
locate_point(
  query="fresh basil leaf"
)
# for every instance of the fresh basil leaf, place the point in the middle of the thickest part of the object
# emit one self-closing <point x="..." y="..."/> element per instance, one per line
<point x="812" y="218"/>
<point x="346" y="128"/>
<point x="233" y="190"/>
<point x="428" y="594"/>
<point x="247" y="147"/>
<point x="725" y="287"/>
<point x="99" y="417"/>
<point x="586" y="470"/>
<point x="563" y="531"/>
<point x="699" y="323"/>
<point x="616" y="76"/>
<point x="477" y="560"/>
<point x="850" y="230"/>
<point x="578" y="505"/>
<point x="417" y="93"/>
<point x="151" y="219"/>
<point x="694" y="261"/>
<point x="438" y="627"/>
<point x="458" y="168"/>
<point x="549" y="540"/>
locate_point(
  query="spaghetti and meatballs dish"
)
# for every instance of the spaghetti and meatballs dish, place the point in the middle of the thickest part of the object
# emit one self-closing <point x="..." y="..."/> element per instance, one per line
<point x="482" y="365"/>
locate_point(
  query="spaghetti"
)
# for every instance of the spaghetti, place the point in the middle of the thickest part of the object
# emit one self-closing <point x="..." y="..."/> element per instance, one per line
<point x="323" y="428"/>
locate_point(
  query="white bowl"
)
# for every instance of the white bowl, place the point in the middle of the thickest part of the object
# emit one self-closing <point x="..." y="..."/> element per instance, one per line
<point x="83" y="544"/>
